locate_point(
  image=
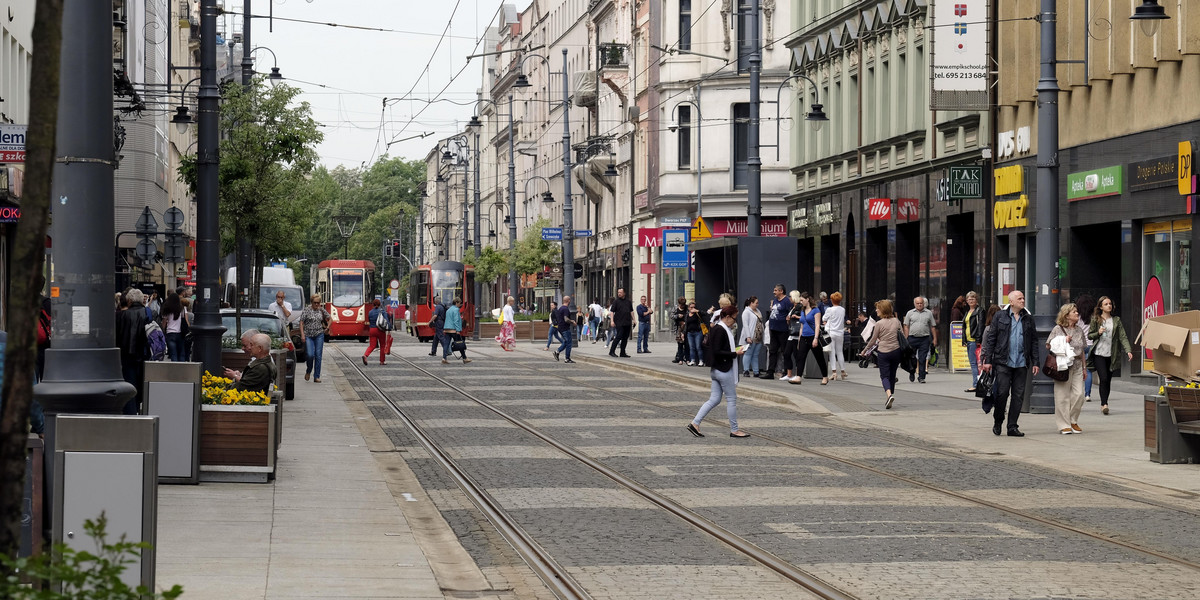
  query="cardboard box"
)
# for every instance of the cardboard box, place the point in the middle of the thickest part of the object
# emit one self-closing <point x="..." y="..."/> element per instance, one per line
<point x="1175" y="341"/>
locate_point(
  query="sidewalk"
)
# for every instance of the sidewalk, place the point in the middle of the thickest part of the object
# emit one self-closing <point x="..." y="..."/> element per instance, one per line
<point x="1112" y="446"/>
<point x="327" y="527"/>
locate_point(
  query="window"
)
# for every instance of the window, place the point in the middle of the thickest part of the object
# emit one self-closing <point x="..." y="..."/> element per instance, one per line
<point x="685" y="136"/>
<point x="685" y="25"/>
<point x="745" y="35"/>
<point x="741" y="145"/>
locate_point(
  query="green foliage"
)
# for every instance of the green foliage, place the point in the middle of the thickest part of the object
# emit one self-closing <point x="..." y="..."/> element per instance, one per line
<point x="532" y="253"/>
<point x="267" y="151"/>
<point x="385" y="197"/>
<point x="83" y="575"/>
<point x="492" y="265"/>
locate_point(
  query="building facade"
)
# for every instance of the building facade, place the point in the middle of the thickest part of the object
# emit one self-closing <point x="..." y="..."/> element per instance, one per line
<point x="865" y="207"/>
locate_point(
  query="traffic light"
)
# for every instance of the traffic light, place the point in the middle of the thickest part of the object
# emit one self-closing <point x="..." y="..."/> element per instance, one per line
<point x="395" y="244"/>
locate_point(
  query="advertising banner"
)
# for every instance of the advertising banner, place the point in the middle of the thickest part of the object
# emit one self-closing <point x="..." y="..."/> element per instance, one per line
<point x="959" y="361"/>
<point x="958" y="67"/>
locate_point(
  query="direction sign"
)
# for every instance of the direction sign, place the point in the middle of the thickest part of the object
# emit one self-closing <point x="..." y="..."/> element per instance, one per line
<point x="700" y="229"/>
<point x="583" y="233"/>
<point x="675" y="222"/>
<point x="552" y="234"/>
<point x="966" y="182"/>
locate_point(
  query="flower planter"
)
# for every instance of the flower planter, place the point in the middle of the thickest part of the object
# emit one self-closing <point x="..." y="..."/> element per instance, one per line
<point x="521" y="330"/>
<point x="238" y="443"/>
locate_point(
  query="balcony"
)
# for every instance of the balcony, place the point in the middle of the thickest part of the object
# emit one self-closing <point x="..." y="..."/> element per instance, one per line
<point x="611" y="56"/>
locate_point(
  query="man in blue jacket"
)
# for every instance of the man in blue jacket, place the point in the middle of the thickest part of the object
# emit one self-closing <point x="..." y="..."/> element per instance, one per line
<point x="1011" y="348"/>
<point x="777" y="323"/>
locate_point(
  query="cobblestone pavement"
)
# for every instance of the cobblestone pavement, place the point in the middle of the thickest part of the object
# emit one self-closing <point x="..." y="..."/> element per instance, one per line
<point x="866" y="512"/>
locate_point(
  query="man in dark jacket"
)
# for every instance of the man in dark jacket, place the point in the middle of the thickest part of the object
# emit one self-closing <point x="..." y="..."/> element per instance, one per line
<point x="622" y="322"/>
<point x="1011" y="348"/>
<point x="131" y="339"/>
<point x="436" y="323"/>
<point x="777" y="324"/>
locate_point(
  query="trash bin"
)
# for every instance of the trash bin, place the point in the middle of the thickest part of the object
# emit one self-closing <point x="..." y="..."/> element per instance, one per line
<point x="107" y="464"/>
<point x="171" y="392"/>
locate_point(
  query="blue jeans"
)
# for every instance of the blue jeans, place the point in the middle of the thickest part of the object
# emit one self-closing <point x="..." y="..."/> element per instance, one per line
<point x="567" y="338"/>
<point x="595" y="328"/>
<point x="723" y="383"/>
<point x="550" y="335"/>
<point x="971" y="346"/>
<point x="1087" y="375"/>
<point x="444" y="340"/>
<point x="643" y="341"/>
<point x="314" y="346"/>
<point x="751" y="358"/>
<point x="175" y="347"/>
<point x="694" y="338"/>
<point x="920" y="344"/>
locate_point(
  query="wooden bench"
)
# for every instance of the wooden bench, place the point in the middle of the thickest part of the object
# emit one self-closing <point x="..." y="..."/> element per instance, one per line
<point x="1173" y="426"/>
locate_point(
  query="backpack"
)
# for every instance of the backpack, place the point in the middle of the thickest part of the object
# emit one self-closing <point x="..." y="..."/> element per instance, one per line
<point x="382" y="321"/>
<point x="156" y="341"/>
<point x="43" y="330"/>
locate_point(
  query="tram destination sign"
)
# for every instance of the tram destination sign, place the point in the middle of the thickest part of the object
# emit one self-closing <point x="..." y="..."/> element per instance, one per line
<point x="966" y="183"/>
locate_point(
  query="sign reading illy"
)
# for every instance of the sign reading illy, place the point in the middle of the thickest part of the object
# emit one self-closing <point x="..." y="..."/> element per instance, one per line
<point x="1095" y="184"/>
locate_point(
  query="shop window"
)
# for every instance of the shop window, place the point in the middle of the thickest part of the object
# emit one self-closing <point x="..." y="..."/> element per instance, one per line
<point x="1166" y="270"/>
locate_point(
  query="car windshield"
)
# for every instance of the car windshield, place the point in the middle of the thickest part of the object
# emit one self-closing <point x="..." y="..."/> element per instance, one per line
<point x="268" y="324"/>
<point x="347" y="287"/>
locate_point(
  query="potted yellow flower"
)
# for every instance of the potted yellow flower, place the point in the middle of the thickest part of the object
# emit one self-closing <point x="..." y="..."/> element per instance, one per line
<point x="238" y="429"/>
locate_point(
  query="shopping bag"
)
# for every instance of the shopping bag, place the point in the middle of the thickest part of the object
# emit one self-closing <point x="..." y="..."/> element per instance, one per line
<point x="587" y="328"/>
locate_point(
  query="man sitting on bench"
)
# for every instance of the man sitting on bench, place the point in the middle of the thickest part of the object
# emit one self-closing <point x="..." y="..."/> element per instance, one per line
<point x="260" y="373"/>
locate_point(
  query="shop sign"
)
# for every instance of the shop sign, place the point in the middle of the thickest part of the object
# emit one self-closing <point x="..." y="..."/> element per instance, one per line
<point x="776" y="227"/>
<point x="1187" y="183"/>
<point x="966" y="183"/>
<point x="1009" y="180"/>
<point x="649" y="237"/>
<point x="12" y="143"/>
<point x="641" y="200"/>
<point x="1011" y="213"/>
<point x="1152" y="306"/>
<point x="821" y="215"/>
<point x="906" y="208"/>
<point x="1013" y="142"/>
<point x="9" y="213"/>
<point x="1153" y="173"/>
<point x="1094" y="184"/>
<point x="879" y="209"/>
<point x="798" y="217"/>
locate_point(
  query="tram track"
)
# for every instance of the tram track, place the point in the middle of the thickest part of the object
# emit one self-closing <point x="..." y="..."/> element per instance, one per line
<point x="554" y="575"/>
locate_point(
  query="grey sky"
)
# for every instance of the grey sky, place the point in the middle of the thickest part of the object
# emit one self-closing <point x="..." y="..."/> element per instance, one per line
<point x="360" y="68"/>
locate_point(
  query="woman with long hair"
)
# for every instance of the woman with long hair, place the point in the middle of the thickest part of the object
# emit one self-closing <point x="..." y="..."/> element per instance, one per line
<point x="1108" y="337"/>
<point x="752" y="336"/>
<point x="958" y="310"/>
<point x="508" y="327"/>
<point x="835" y="322"/>
<point x="790" y="356"/>
<point x="173" y="317"/>
<point x="679" y="316"/>
<point x="972" y="333"/>
<point x="694" y="335"/>
<point x="722" y="358"/>
<point x="885" y="341"/>
<point x="810" y="326"/>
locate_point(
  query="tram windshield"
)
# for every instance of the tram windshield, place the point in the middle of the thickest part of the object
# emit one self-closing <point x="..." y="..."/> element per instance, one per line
<point x="447" y="285"/>
<point x="348" y="288"/>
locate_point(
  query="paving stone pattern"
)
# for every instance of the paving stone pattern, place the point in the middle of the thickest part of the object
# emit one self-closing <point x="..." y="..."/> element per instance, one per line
<point x="869" y="534"/>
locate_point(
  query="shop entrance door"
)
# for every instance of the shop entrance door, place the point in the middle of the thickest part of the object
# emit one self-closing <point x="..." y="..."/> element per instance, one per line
<point x="908" y="262"/>
<point x="960" y="245"/>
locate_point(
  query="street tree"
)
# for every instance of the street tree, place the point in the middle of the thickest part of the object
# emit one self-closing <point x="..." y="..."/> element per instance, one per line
<point x="532" y="253"/>
<point x="267" y="152"/>
<point x="26" y="267"/>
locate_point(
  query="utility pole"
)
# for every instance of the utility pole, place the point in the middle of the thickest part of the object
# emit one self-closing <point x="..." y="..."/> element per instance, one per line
<point x="244" y="248"/>
<point x="83" y="369"/>
<point x="207" y="329"/>
<point x="512" y="203"/>
<point x="568" y="222"/>
<point x="1045" y="303"/>
<point x="478" y="291"/>
<point x="753" y="160"/>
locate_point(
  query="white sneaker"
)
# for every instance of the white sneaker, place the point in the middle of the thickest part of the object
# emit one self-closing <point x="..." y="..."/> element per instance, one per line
<point x="784" y="378"/>
<point x="691" y="364"/>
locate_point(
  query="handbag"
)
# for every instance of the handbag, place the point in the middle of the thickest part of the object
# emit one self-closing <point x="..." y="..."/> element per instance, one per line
<point x="458" y="345"/>
<point x="704" y="328"/>
<point x="983" y="386"/>
<point x="1050" y="368"/>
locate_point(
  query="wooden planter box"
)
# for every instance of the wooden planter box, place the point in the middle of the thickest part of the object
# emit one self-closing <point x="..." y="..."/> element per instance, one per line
<point x="490" y="329"/>
<point x="238" y="443"/>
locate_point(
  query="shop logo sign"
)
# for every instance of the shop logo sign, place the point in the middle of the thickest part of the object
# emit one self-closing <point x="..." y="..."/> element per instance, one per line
<point x="1095" y="184"/>
<point x="906" y="208"/>
<point x="879" y="209"/>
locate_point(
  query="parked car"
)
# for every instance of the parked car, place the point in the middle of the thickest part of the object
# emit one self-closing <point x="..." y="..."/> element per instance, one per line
<point x="269" y="323"/>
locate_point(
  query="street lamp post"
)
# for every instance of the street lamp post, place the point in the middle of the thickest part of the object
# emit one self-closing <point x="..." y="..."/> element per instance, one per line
<point x="473" y="127"/>
<point x="568" y="210"/>
<point x="512" y="201"/>
<point x="753" y="160"/>
<point x="346" y="225"/>
<point x="207" y="328"/>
